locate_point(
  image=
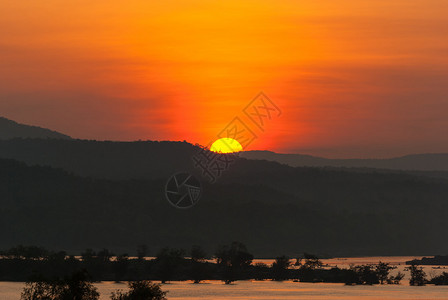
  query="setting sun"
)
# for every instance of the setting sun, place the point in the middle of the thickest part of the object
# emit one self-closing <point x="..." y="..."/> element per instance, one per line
<point x="226" y="145"/>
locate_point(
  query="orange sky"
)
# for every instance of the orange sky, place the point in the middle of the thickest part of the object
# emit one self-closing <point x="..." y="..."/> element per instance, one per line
<point x="352" y="78"/>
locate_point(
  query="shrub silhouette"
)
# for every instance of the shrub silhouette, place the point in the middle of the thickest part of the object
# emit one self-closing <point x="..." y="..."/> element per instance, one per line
<point x="120" y="267"/>
<point x="366" y="274"/>
<point x="198" y="269"/>
<point x="140" y="290"/>
<point x="280" y="268"/>
<point x="382" y="270"/>
<point x="167" y="261"/>
<point x="232" y="260"/>
<point x="395" y="279"/>
<point x="418" y="276"/>
<point x="441" y="279"/>
<point x="76" y="287"/>
<point x="307" y="271"/>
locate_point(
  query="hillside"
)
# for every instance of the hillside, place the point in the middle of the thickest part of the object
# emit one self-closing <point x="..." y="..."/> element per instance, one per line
<point x="10" y="129"/>
<point x="271" y="208"/>
<point x="130" y="160"/>
<point x="109" y="160"/>
<point x="74" y="194"/>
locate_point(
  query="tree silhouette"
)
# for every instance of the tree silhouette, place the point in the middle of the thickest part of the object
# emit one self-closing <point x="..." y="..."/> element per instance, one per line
<point x="198" y="254"/>
<point x="142" y="251"/>
<point x="233" y="259"/>
<point x="442" y="279"/>
<point x="280" y="268"/>
<point x="395" y="279"/>
<point x="312" y="261"/>
<point x="418" y="276"/>
<point x="76" y="287"/>
<point x="105" y="255"/>
<point x="140" y="290"/>
<point x="198" y="267"/>
<point x="366" y="274"/>
<point x="167" y="261"/>
<point x="93" y="263"/>
<point x="120" y="266"/>
<point x="26" y="252"/>
<point x="307" y="270"/>
<point x="382" y="270"/>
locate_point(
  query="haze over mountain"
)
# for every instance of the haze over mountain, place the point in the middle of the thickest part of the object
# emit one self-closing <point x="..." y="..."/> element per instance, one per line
<point x="420" y="162"/>
<point x="11" y="129"/>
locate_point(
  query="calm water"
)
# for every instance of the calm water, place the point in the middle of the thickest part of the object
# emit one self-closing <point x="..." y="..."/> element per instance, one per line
<point x="268" y="290"/>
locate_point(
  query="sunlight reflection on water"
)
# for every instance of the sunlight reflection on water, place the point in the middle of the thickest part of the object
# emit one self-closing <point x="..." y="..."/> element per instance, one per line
<point x="269" y="290"/>
<point x="265" y="290"/>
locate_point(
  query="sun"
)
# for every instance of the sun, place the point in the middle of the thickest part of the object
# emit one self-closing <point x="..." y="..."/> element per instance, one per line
<point x="226" y="145"/>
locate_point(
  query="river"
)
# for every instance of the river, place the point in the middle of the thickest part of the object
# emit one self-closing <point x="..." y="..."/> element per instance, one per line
<point x="269" y="290"/>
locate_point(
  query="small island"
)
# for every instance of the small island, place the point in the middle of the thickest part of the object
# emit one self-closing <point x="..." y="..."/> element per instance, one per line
<point x="440" y="260"/>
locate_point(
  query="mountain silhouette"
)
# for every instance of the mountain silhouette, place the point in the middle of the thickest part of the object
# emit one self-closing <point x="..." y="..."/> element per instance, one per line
<point x="108" y="160"/>
<point x="153" y="159"/>
<point x="417" y="162"/>
<point x="271" y="208"/>
<point x="11" y="129"/>
<point x="74" y="194"/>
<point x="135" y="160"/>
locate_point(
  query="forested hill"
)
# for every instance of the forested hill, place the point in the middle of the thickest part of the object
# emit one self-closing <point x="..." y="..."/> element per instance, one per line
<point x="10" y="129"/>
<point x="128" y="160"/>
<point x="271" y="209"/>
<point x="108" y="160"/>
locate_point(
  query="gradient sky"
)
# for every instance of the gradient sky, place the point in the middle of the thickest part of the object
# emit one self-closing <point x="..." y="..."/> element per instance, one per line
<point x="352" y="78"/>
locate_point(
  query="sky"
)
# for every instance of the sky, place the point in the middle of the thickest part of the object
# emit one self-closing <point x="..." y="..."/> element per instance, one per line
<point x="353" y="79"/>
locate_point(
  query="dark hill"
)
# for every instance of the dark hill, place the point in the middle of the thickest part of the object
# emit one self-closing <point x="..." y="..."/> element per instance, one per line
<point x="109" y="160"/>
<point x="10" y="129"/>
<point x="132" y="160"/>
<point x="272" y="209"/>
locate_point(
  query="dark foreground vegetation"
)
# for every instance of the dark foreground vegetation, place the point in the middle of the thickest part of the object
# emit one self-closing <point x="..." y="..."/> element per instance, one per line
<point x="229" y="263"/>
<point x="79" y="287"/>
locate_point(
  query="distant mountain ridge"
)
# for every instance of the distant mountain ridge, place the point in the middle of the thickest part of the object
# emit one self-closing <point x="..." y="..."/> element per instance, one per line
<point x="153" y="159"/>
<point x="415" y="162"/>
<point x="10" y="129"/>
<point x="136" y="160"/>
